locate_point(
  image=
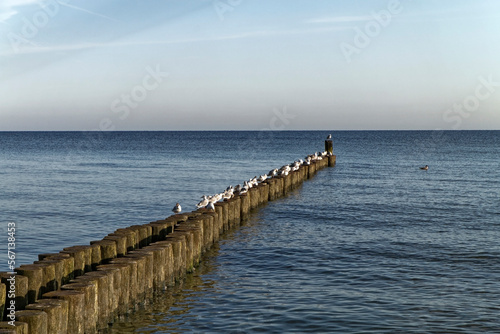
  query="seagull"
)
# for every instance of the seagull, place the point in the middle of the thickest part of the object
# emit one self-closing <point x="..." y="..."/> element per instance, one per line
<point x="262" y="178"/>
<point x="283" y="172"/>
<point x="203" y="202"/>
<point x="244" y="189"/>
<point x="215" y="198"/>
<point x="254" y="182"/>
<point x="177" y="208"/>
<point x="210" y="206"/>
<point x="329" y="137"/>
<point x="426" y="167"/>
<point x="228" y="194"/>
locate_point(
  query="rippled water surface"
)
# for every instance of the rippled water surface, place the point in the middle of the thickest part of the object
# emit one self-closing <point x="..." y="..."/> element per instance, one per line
<point x="374" y="245"/>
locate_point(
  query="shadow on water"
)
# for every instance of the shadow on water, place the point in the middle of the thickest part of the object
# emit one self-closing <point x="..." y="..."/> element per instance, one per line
<point x="167" y="309"/>
<point x="170" y="311"/>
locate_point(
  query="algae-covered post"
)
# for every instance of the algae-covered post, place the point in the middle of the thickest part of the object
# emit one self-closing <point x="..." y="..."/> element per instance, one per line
<point x="329" y="146"/>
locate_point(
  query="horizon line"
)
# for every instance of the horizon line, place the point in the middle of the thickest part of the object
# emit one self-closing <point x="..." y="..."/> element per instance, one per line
<point x="254" y="130"/>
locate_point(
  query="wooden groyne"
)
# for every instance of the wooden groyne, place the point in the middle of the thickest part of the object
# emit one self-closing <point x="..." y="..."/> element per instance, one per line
<point x="83" y="289"/>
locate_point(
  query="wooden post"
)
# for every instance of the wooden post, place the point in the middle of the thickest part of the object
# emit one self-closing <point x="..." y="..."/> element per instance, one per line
<point x="57" y="313"/>
<point x="117" y="288"/>
<point x="189" y="249"/>
<point x="104" y="282"/>
<point x="108" y="250"/>
<point x="329" y="146"/>
<point x="35" y="278"/>
<point x="122" y="285"/>
<point x="68" y="266"/>
<point x="3" y="298"/>
<point x="121" y="243"/>
<point x="254" y="198"/>
<point x="179" y="250"/>
<point x="18" y="284"/>
<point x="169" y="264"/>
<point x="132" y="238"/>
<point x="245" y="205"/>
<point x="132" y="287"/>
<point x="146" y="278"/>
<point x="37" y="320"/>
<point x="18" y="328"/>
<point x="91" y="308"/>
<point x="76" y="307"/>
<point x="58" y="271"/>
<point x="82" y="256"/>
<point x="332" y="160"/>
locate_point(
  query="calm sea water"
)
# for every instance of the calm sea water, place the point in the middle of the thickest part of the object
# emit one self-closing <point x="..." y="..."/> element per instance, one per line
<point x="374" y="245"/>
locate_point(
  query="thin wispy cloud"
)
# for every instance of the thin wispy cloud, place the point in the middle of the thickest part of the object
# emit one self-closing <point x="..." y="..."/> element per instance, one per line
<point x="8" y="8"/>
<point x="438" y="15"/>
<point x="115" y="44"/>
<point x="443" y="18"/>
<point x="87" y="11"/>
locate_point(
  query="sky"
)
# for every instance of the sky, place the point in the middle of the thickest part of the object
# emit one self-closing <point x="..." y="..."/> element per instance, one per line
<point x="74" y="65"/>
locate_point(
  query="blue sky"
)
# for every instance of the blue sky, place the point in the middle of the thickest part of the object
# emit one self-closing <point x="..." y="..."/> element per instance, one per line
<point x="249" y="64"/>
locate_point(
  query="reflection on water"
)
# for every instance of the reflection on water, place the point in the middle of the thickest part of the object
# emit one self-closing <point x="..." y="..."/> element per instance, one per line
<point x="167" y="310"/>
<point x="171" y="311"/>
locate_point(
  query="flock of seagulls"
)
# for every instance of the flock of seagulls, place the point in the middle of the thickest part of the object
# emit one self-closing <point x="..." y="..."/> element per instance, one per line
<point x="208" y="202"/>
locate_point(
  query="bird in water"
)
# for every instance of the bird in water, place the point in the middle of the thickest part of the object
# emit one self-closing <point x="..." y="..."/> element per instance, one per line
<point x="177" y="208"/>
<point x="426" y="167"/>
<point x="329" y="137"/>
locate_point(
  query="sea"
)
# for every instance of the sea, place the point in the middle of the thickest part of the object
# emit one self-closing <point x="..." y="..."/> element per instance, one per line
<point x="373" y="245"/>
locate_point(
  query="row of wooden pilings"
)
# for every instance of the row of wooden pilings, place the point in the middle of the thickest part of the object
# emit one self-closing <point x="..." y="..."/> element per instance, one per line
<point x="82" y="289"/>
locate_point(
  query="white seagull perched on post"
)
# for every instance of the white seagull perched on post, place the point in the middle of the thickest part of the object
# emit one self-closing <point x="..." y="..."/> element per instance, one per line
<point x="329" y="137"/>
<point x="273" y="172"/>
<point x="203" y="202"/>
<point x="177" y="208"/>
<point x="211" y="206"/>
